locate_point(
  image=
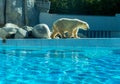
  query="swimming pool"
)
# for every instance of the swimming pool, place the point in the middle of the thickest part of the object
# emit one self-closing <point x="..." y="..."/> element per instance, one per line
<point x="59" y="65"/>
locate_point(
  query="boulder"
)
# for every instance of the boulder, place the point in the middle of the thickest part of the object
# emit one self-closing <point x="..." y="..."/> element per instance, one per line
<point x="13" y="31"/>
<point x="28" y="28"/>
<point x="5" y="35"/>
<point x="11" y="25"/>
<point x="8" y="31"/>
<point x="41" y="31"/>
<point x="21" y="33"/>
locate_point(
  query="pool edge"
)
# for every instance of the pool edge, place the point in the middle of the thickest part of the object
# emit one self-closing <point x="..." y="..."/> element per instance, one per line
<point x="83" y="42"/>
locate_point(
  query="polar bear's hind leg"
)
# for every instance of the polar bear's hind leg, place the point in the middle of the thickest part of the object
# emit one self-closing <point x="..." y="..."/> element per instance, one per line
<point x="53" y="35"/>
<point x="55" y="32"/>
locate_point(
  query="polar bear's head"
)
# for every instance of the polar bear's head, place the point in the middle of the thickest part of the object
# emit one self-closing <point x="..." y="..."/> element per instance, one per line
<point x="83" y="25"/>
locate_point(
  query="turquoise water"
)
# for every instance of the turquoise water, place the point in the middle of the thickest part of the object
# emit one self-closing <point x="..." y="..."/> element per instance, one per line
<point x="60" y="65"/>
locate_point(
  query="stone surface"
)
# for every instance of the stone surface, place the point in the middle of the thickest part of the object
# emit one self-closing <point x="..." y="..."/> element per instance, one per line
<point x="22" y="12"/>
<point x="21" y="33"/>
<point x="31" y="13"/>
<point x="14" y="12"/>
<point x="3" y="33"/>
<point x="41" y="31"/>
<point x="8" y="30"/>
<point x="11" y="25"/>
<point x="29" y="31"/>
<point x="28" y="28"/>
<point x="2" y="5"/>
<point x="12" y="31"/>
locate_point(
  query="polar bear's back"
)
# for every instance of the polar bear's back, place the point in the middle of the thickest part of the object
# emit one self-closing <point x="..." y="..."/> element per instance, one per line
<point x="65" y="23"/>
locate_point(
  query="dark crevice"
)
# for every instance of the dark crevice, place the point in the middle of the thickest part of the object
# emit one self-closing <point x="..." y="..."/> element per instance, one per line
<point x="5" y="4"/>
<point x="24" y="12"/>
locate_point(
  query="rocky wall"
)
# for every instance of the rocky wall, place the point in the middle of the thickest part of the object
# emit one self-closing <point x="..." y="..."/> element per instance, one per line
<point x="22" y="12"/>
<point x="2" y="5"/>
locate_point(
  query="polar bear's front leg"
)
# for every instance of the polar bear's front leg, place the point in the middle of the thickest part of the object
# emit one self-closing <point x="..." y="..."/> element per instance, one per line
<point x="75" y="32"/>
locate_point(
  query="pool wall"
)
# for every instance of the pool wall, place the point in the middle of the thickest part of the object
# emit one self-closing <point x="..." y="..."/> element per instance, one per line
<point x="83" y="42"/>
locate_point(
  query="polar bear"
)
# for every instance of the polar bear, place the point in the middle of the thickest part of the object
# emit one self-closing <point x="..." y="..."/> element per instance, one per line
<point x="69" y="26"/>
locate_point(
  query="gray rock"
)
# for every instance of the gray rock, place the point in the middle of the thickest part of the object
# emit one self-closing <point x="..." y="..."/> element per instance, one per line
<point x="8" y="30"/>
<point x="12" y="29"/>
<point x="28" y="28"/>
<point x="2" y="5"/>
<point x="29" y="31"/>
<point x="21" y="33"/>
<point x="41" y="31"/>
<point x="11" y="25"/>
<point x="3" y="33"/>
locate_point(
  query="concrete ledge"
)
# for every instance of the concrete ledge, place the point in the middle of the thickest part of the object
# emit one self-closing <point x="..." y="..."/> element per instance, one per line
<point x="85" y="42"/>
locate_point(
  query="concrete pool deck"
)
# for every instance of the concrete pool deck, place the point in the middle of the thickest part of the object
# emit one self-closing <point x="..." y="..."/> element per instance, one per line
<point x="83" y="42"/>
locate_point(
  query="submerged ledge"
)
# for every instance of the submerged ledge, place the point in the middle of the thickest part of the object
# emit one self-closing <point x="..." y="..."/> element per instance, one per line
<point x="83" y="42"/>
